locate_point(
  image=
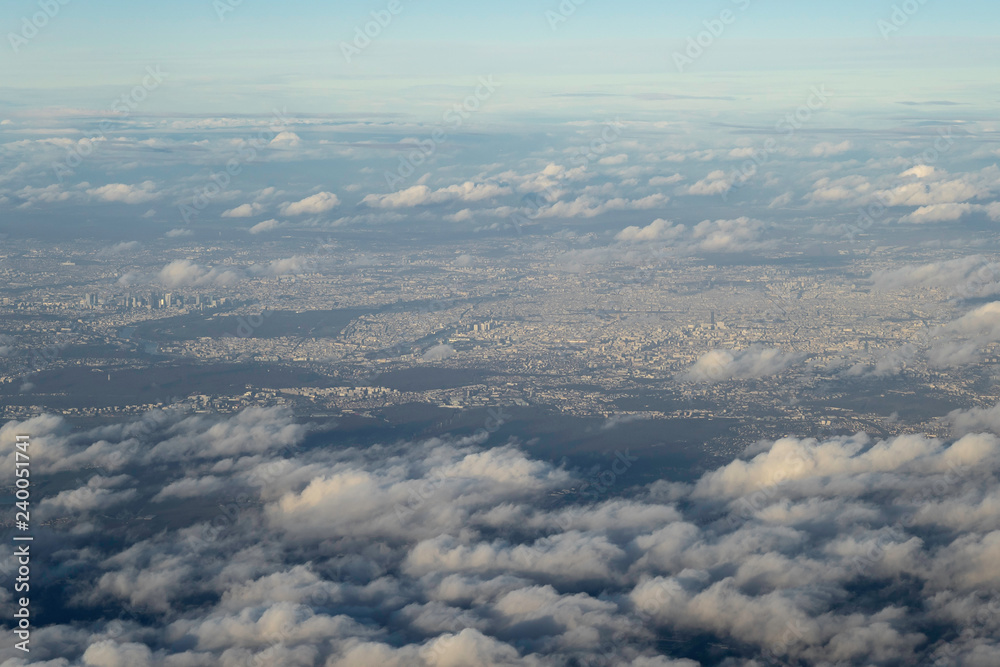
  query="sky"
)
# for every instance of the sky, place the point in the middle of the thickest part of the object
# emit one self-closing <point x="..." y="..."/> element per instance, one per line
<point x="230" y="56"/>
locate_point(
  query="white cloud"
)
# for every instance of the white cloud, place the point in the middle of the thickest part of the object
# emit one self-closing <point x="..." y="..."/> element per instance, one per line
<point x="316" y="204"/>
<point x="964" y="277"/>
<point x="185" y="273"/>
<point x="753" y="362"/>
<point x="657" y="181"/>
<point x="716" y="183"/>
<point x="960" y="342"/>
<point x="243" y="211"/>
<point x="421" y="195"/>
<point x="451" y="551"/>
<point x="286" y="139"/>
<point x="614" y="159"/>
<point x="921" y="171"/>
<point x="727" y="235"/>
<point x="588" y="206"/>
<point x="657" y="230"/>
<point x="178" y="233"/>
<point x="126" y="194"/>
<point x="266" y="226"/>
<point x="938" y="213"/>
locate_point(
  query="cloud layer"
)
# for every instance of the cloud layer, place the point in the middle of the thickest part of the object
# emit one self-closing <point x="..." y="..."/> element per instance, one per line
<point x="453" y="551"/>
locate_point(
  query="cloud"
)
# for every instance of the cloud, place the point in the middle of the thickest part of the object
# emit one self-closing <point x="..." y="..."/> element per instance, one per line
<point x="847" y="189"/>
<point x="286" y="139"/>
<point x="266" y="226"/>
<point x="421" y="195"/>
<point x="316" y="204"/>
<point x="126" y="194"/>
<point x="439" y="352"/>
<point x="658" y="181"/>
<point x="286" y="266"/>
<point x="657" y="230"/>
<point x="716" y="183"/>
<point x="993" y="211"/>
<point x="178" y="233"/>
<point x="934" y="188"/>
<point x="50" y="194"/>
<point x="964" y="277"/>
<point x="727" y="235"/>
<point x="829" y="149"/>
<point x="452" y="551"/>
<point x="185" y="273"/>
<point x="243" y="211"/>
<point x="119" y="248"/>
<point x="614" y="159"/>
<point x="589" y="206"/>
<point x="920" y="171"/>
<point x="781" y="201"/>
<point x="753" y="362"/>
<point x="960" y="342"/>
<point x="975" y="420"/>
<point x="938" y="213"/>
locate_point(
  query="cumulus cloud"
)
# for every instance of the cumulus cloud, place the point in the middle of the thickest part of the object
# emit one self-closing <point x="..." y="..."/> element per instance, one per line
<point x="964" y="277"/>
<point x="846" y="189"/>
<point x="127" y="194"/>
<point x="975" y="420"/>
<point x="243" y="211"/>
<point x="459" y="551"/>
<point x="727" y="235"/>
<point x="658" y="181"/>
<point x="286" y="139"/>
<point x="938" y="213"/>
<point x="589" y="206"/>
<point x="314" y="205"/>
<point x="657" y="230"/>
<point x="178" y="233"/>
<point x="266" y="226"/>
<point x="753" y="362"/>
<point x="185" y="273"/>
<point x="285" y="266"/>
<point x="933" y="187"/>
<point x="961" y="342"/>
<point x="422" y="195"/>
<point x="716" y="183"/>
<point x="614" y="159"/>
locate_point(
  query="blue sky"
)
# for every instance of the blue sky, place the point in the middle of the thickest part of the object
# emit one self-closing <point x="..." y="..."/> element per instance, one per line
<point x="263" y="52"/>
